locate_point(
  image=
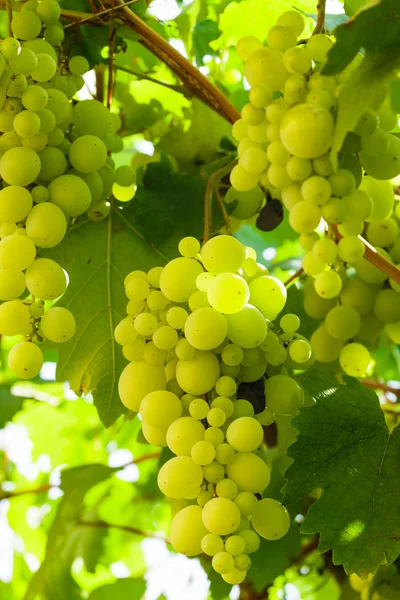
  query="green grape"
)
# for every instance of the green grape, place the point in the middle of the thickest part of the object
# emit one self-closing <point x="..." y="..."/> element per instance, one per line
<point x="184" y="350"/>
<point x="214" y="435"/>
<point x="351" y="249"/>
<point x="342" y="322"/>
<point x="387" y="306"/>
<point x="198" y="300"/>
<point x="376" y="143"/>
<point x="281" y="37"/>
<point x="242" y="180"/>
<point x="154" y="435"/>
<point x="325" y="250"/>
<point x="252" y="115"/>
<point x="46" y="225"/>
<point x="46" y="68"/>
<point x="26" y="25"/>
<point x="328" y="284"/>
<point x="260" y="96"/>
<point x="216" y="417"/>
<point x="289" y="323"/>
<point x="146" y="324"/>
<point x="316" y="190"/>
<point x="254" y="160"/>
<point x="36" y="309"/>
<point x="160" y="408"/>
<point x="235" y="545"/>
<point x="383" y="232"/>
<point x="393" y="331"/>
<point x="183" y="434"/>
<point x="139" y="379"/>
<point x="355" y="360"/>
<point x="25" y="62"/>
<point x="198" y="376"/>
<point x="10" y="48"/>
<point x="292" y="19"/>
<point x="295" y="89"/>
<point x="49" y="11"/>
<point x="153" y="355"/>
<point x="298" y="169"/>
<point x="224" y="403"/>
<point x="300" y="351"/>
<point x="226" y="489"/>
<point x="291" y="196"/>
<point x="368" y="272"/>
<point x="245" y="434"/>
<point x="242" y="562"/>
<point x="352" y="228"/>
<point x="20" y="166"/>
<point x="367" y="123"/>
<point x="273" y="132"/>
<point x="12" y="284"/>
<point x="25" y="360"/>
<point x="211" y="544"/>
<point x="6" y="125"/>
<point x="270" y="519"/>
<point x="7" y="229"/>
<point x="70" y="193"/>
<point x="17" y="86"/>
<point x="278" y="177"/>
<point x="342" y="183"/>
<point x="246" y="46"/>
<point x="224" y="454"/>
<point x="139" y="289"/>
<point x="35" y="98"/>
<point x="14" y="318"/>
<point x="214" y="472"/>
<point x="304" y="217"/>
<point x="307" y="131"/>
<point x="35" y="142"/>
<point x="206" y="328"/>
<point x="326" y="348"/>
<point x="266" y="417"/>
<point x="320" y="97"/>
<point x="296" y="60"/>
<point x="242" y="408"/>
<point x="15" y="203"/>
<point x="87" y="154"/>
<point x="283" y="395"/>
<point x="249" y="472"/>
<point x="187" y="531"/>
<point x="189" y="247"/>
<point x="334" y="211"/>
<point x="203" y="453"/>
<point x="56" y="137"/>
<point x="92" y="118"/>
<point x="199" y="408"/>
<point x="247" y="328"/>
<point x="221" y="516"/>
<point x="357" y="294"/>
<point x="45" y="279"/>
<point x="239" y="129"/>
<point x="223" y="562"/>
<point x="47" y="121"/>
<point x="125" y="332"/>
<point x="277" y="154"/>
<point x="156" y="300"/>
<point x="223" y="254"/>
<point x="78" y="65"/>
<point x="58" y="324"/>
<point x="54" y="34"/>
<point x="318" y="47"/>
<point x="178" y="279"/>
<point x="256" y="73"/>
<point x="58" y="104"/>
<point x="232" y="355"/>
<point x="386" y="165"/>
<point x="228" y="293"/>
<point x="359" y="205"/>
<point x="246" y="502"/>
<point x="17" y="252"/>
<point x="268" y="294"/>
<point x="165" y="337"/>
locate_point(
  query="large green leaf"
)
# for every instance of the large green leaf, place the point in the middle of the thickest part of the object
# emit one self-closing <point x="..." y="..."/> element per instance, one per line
<point x="53" y="581"/>
<point x="352" y="6"/>
<point x="9" y="405"/>
<point x="123" y="588"/>
<point x="345" y="447"/>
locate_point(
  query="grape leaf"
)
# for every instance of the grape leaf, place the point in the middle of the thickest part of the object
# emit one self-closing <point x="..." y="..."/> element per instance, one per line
<point x="9" y="405"/>
<point x="331" y="20"/>
<point x="204" y="32"/>
<point x="53" y="580"/>
<point x="123" y="588"/>
<point x="97" y="256"/>
<point x="345" y="447"/>
<point x="352" y="6"/>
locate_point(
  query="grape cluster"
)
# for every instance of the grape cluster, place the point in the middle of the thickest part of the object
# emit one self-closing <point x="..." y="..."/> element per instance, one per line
<point x="210" y="364"/>
<point x="285" y="136"/>
<point x="54" y="166"/>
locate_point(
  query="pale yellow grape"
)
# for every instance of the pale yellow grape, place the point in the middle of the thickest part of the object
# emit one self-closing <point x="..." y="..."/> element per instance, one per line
<point x="70" y="193"/>
<point x="187" y="531"/>
<point x="232" y="355"/>
<point x="240" y="179"/>
<point x="387" y="306"/>
<point x="226" y="489"/>
<point x="137" y="288"/>
<point x="139" y="379"/>
<point x="351" y="249"/>
<point x="199" y="408"/>
<point x="25" y="360"/>
<point x="160" y="408"/>
<point x="283" y="394"/>
<point x="215" y="435"/>
<point x="87" y="153"/>
<point x="134" y="351"/>
<point x="307" y="130"/>
<point x="328" y="284"/>
<point x="170" y="373"/>
<point x="228" y="293"/>
<point x="10" y="48"/>
<point x="223" y="254"/>
<point x="153" y="355"/>
<point x="246" y="46"/>
<point x="334" y="211"/>
<point x="20" y="166"/>
<point x="325" y="250"/>
<point x="249" y="472"/>
<point x="326" y="348"/>
<point x="318" y="47"/>
<point x="221" y="516"/>
<point x="265" y="67"/>
<point x="246" y="502"/>
<point x="156" y="300"/>
<point x="304" y="217"/>
<point x="316" y="189"/>
<point x="183" y="433"/>
<point x="376" y="143"/>
<point x="26" y="123"/>
<point x="245" y="434"/>
<point x="254" y="160"/>
<point x="45" y="279"/>
<point x="239" y="129"/>
<point x="15" y="203"/>
<point x="58" y="324"/>
<point x="184" y="350"/>
<point x="383" y="233"/>
<point x="189" y="247"/>
<point x="26" y="25"/>
<point x="206" y="328"/>
<point x="165" y="337"/>
<point x="355" y="360"/>
<point x="203" y="453"/>
<point x="235" y="545"/>
<point x="300" y="351"/>
<point x="258" y="133"/>
<point x="260" y="96"/>
<point x="252" y="115"/>
<point x="211" y="544"/>
<point x="270" y="519"/>
<point x="198" y="300"/>
<point x="204" y="279"/>
<point x="225" y="403"/>
<point x="297" y="60"/>
<point x="12" y="284"/>
<point x="342" y="183"/>
<point x="14" y="318"/>
<point x="269" y="295"/>
<point x="242" y="562"/>
<point x="266" y="417"/>
<point x="382" y="196"/>
<point x="247" y="328"/>
<point x="223" y="562"/>
<point x="292" y="19"/>
<point x="46" y="225"/>
<point x="298" y="169"/>
<point x="214" y="472"/>
<point x="393" y="331"/>
<point x="386" y="165"/>
<point x="125" y="332"/>
<point x="178" y="279"/>
<point x="17" y="252"/>
<point x="180" y="477"/>
<point x="291" y="195"/>
<point x="369" y="272"/>
<point x="216" y="417"/>
<point x="346" y="228"/>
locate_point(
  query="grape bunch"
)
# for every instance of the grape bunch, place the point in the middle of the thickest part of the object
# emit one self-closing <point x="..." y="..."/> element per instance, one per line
<point x="54" y="167"/>
<point x="285" y="137"/>
<point x="210" y="364"/>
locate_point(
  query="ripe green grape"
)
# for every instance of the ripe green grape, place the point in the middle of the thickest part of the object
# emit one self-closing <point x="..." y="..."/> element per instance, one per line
<point x="26" y="25"/>
<point x="183" y="434"/>
<point x="25" y="360"/>
<point x="92" y="118"/>
<point x="180" y="477"/>
<point x="254" y="160"/>
<point x="387" y="306"/>
<point x="125" y="332"/>
<point x="12" y="284"/>
<point x="19" y="166"/>
<point x="45" y="69"/>
<point x="316" y="189"/>
<point x="45" y="279"/>
<point x="49" y="11"/>
<point x="10" y="48"/>
<point x="245" y="434"/>
<point x="300" y="351"/>
<point x="78" y="65"/>
<point x="385" y="165"/>
<point x="307" y="130"/>
<point x="225" y="386"/>
<point x="15" y="203"/>
<point x="342" y="322"/>
<point x="351" y="249"/>
<point x="283" y="394"/>
<point x="297" y="60"/>
<point x="160" y="408"/>
<point x="46" y="225"/>
<point x="298" y="169"/>
<point x="221" y="516"/>
<point x="216" y="417"/>
<point x="53" y="164"/>
<point x="260" y="96"/>
<point x="178" y="279"/>
<point x="247" y="328"/>
<point x="269" y="295"/>
<point x="235" y="545"/>
<point x="304" y="217"/>
<point x="198" y="376"/>
<point x="249" y="472"/>
<point x="355" y="359"/>
<point x="376" y="143"/>
<point x="70" y="193"/>
<point x="58" y="324"/>
<point x="382" y="233"/>
<point x="165" y="337"/>
<point x="326" y="348"/>
<point x="14" y="318"/>
<point x="228" y="293"/>
<point x="318" y="47"/>
<point x="270" y="519"/>
<point x="328" y="284"/>
<point x="281" y="37"/>
<point x="211" y="544"/>
<point x="357" y="294"/>
<point x="87" y="153"/>
<point x="203" y="453"/>
<point x="16" y="252"/>
<point x="226" y="489"/>
<point x="223" y="254"/>
<point x="265" y="67"/>
<point x="199" y="408"/>
<point x="242" y="180"/>
<point x="325" y="250"/>
<point x="232" y="355"/>
<point x="187" y="531"/>
<point x="223" y="562"/>
<point x="206" y="328"/>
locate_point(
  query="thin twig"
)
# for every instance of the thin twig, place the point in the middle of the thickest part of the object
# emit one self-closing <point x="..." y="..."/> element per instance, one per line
<point x="9" y="17"/>
<point x="176" y="88"/>
<point x="224" y="212"/>
<point x="211" y="183"/>
<point x="376" y="385"/>
<point x="294" y="276"/>
<point x="321" y="10"/>
<point x="111" y="46"/>
<point x="100" y="14"/>
<point x="126" y="528"/>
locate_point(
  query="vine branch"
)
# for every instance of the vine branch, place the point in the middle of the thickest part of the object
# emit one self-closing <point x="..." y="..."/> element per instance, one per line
<point x="176" y="88"/>
<point x="321" y="11"/>
<point x="294" y="276"/>
<point x="126" y="528"/>
<point x="376" y="385"/>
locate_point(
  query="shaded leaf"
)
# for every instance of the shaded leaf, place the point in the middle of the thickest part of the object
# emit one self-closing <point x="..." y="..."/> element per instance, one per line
<point x="352" y="6"/>
<point x="9" y="405"/>
<point x="204" y="32"/>
<point x="123" y="588"/>
<point x="345" y="447"/>
<point x="395" y="95"/>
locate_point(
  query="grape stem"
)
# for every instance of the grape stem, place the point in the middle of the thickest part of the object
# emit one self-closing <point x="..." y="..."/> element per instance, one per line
<point x="223" y="210"/>
<point x="111" y="46"/>
<point x="211" y="183"/>
<point x="377" y="385"/>
<point x="126" y="528"/>
<point x="9" y="17"/>
<point x="176" y="88"/>
<point x="320" y="24"/>
<point x="294" y="276"/>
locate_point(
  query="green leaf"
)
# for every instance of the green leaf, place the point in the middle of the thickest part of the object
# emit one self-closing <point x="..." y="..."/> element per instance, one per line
<point x="53" y="580"/>
<point x="97" y="257"/>
<point x="204" y="32"/>
<point x="352" y="6"/>
<point x="366" y="88"/>
<point x="345" y="447"/>
<point x="331" y="21"/>
<point x="395" y="95"/>
<point x="123" y="588"/>
<point x="9" y="405"/>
